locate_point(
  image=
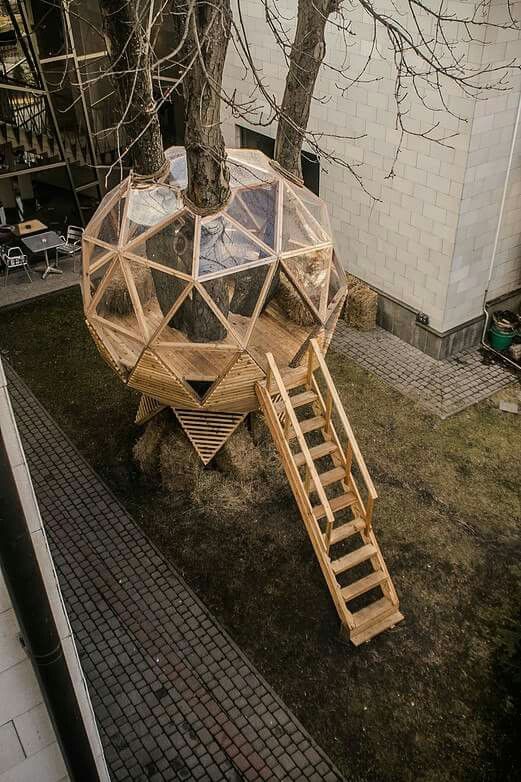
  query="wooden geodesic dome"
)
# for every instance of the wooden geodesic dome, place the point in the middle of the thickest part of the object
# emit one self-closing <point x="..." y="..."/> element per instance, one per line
<point x="185" y="307"/>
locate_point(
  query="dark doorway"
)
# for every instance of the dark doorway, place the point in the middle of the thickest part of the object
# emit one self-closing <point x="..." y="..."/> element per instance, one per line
<point x="250" y="139"/>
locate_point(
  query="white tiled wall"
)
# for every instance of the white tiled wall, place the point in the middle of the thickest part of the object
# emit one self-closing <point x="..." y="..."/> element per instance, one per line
<point x="425" y="240"/>
<point x="28" y="747"/>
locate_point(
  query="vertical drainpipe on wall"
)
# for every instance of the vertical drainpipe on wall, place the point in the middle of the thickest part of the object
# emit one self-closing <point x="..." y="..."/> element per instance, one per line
<point x="29" y="597"/>
<point x="496" y="237"/>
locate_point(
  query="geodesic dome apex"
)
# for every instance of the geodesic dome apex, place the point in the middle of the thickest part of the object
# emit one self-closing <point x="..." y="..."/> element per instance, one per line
<point x="163" y="284"/>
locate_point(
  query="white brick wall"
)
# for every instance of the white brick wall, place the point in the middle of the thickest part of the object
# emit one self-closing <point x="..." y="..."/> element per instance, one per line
<point x="28" y="747"/>
<point x="424" y="241"/>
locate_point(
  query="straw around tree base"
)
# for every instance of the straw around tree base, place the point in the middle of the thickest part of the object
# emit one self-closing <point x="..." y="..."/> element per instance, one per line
<point x="361" y="305"/>
<point x="291" y="304"/>
<point x="239" y="457"/>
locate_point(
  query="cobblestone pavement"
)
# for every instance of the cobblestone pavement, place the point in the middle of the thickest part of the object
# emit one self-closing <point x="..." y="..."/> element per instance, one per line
<point x="443" y="387"/>
<point x="174" y="697"/>
<point x="19" y="289"/>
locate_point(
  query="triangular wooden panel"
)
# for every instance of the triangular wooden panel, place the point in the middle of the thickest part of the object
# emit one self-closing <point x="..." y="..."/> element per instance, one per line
<point x="148" y="408"/>
<point x="234" y="390"/>
<point x="208" y="431"/>
<point x="104" y="353"/>
<point x="153" y="378"/>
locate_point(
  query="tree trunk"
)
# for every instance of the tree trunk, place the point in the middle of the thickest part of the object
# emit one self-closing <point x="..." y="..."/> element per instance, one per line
<point x="307" y="54"/>
<point x="128" y="47"/>
<point x="204" y="54"/>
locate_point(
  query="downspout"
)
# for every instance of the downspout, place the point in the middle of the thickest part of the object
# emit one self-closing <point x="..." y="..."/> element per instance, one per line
<point x="28" y="594"/>
<point x="496" y="237"/>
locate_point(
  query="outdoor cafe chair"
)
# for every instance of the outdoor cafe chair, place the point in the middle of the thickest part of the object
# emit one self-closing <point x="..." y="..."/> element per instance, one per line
<point x="15" y="258"/>
<point x="71" y="243"/>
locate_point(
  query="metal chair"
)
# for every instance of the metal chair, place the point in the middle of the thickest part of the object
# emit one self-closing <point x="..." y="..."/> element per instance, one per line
<point x="15" y="258"/>
<point x="71" y="243"/>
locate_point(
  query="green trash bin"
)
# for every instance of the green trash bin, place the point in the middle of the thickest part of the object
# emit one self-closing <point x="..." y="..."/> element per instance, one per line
<point x="500" y="339"/>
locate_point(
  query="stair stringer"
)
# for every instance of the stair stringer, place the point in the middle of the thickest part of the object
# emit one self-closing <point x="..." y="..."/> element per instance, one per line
<point x="367" y="535"/>
<point x="303" y="503"/>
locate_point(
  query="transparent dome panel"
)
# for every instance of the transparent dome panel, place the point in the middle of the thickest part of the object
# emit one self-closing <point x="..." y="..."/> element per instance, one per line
<point x="256" y="210"/>
<point x="95" y="277"/>
<point x="337" y="280"/>
<point x="147" y="207"/>
<point x="160" y="298"/>
<point x="224" y="247"/>
<point x="242" y="174"/>
<point x="284" y="324"/>
<point x="115" y="302"/>
<point x="110" y="226"/>
<point x="310" y="272"/>
<point x="300" y="230"/>
<point x="178" y="172"/>
<point x="172" y="246"/>
<point x="93" y="253"/>
<point x="195" y="321"/>
<point x="238" y="297"/>
<point x="108" y="200"/>
<point x="140" y="277"/>
<point x="251" y="157"/>
<point x="317" y="209"/>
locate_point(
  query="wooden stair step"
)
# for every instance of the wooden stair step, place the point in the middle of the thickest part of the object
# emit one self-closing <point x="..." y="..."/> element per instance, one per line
<point x="354" y="558"/>
<point x="373" y="612"/>
<point x="363" y="585"/>
<point x="337" y="503"/>
<point x="309" y="425"/>
<point x="316" y="452"/>
<point x="294" y="377"/>
<point x="332" y="476"/>
<point x="358" y="637"/>
<point x="346" y="530"/>
<point x="297" y="400"/>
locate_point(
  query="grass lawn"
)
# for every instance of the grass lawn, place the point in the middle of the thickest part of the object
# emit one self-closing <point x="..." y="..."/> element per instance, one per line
<point x="433" y="699"/>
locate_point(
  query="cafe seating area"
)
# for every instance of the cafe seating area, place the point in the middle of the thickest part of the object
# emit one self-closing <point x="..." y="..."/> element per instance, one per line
<point x="30" y="242"/>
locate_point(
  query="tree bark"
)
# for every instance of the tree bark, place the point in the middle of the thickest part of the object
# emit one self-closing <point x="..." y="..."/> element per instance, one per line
<point x="203" y="57"/>
<point x="128" y="47"/>
<point x="307" y="54"/>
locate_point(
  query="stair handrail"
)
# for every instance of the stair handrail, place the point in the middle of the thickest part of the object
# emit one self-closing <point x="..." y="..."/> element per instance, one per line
<point x="310" y="465"/>
<point x="355" y="449"/>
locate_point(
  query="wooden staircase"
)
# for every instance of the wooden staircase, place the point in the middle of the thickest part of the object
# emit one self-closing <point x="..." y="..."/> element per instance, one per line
<point x="325" y="469"/>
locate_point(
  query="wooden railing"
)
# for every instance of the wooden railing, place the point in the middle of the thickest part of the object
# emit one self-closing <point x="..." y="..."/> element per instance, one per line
<point x="349" y="449"/>
<point x="301" y="487"/>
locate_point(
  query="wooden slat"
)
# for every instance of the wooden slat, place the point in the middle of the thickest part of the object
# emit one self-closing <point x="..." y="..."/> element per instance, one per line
<point x="148" y="408"/>
<point x="317" y="452"/>
<point x="345" y="531"/>
<point x="234" y="390"/>
<point x="208" y="431"/>
<point x="152" y="377"/>
<point x="336" y="504"/>
<point x="373" y="612"/>
<point x="354" y="558"/>
<point x="365" y="634"/>
<point x="309" y="425"/>
<point x="332" y="476"/>
<point x="363" y="585"/>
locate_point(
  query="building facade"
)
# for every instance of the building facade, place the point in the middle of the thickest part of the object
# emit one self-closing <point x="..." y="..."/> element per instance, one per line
<point x="426" y="243"/>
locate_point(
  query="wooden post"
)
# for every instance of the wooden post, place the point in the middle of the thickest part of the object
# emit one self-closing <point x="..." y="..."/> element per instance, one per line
<point x="307" y="480"/>
<point x="329" y="410"/>
<point x="369" y="513"/>
<point x="310" y="367"/>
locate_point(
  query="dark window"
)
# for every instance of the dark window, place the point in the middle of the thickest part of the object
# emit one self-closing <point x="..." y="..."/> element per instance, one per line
<point x="310" y="165"/>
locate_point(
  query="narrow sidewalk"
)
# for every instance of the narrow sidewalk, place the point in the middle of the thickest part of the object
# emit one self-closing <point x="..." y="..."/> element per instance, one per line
<point x="174" y="697"/>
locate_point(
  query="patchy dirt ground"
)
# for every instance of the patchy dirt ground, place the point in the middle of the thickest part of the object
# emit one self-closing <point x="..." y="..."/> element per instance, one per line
<point x="434" y="699"/>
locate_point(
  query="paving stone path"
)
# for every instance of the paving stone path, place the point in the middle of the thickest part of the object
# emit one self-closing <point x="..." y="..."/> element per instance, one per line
<point x="174" y="697"/>
<point x="442" y="387"/>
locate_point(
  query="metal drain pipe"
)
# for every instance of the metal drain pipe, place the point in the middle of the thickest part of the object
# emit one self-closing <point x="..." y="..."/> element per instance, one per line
<point x="40" y="634"/>
<point x="496" y="238"/>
